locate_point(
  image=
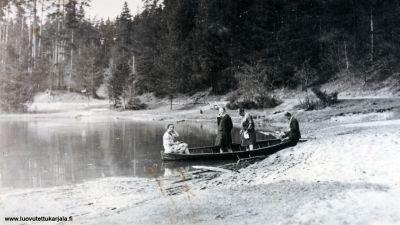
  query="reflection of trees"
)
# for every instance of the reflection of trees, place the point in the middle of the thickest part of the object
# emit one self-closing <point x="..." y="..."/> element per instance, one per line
<point x="45" y="153"/>
<point x="20" y="164"/>
<point x="119" y="153"/>
<point x="98" y="153"/>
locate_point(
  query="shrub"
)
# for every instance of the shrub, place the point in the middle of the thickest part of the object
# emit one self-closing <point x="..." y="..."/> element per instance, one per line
<point x="322" y="100"/>
<point x="234" y="96"/>
<point x="135" y="104"/>
<point x="325" y="98"/>
<point x="246" y="104"/>
<point x="232" y="105"/>
<point x="308" y="104"/>
<point x="16" y="91"/>
<point x="266" y="101"/>
<point x="258" y="102"/>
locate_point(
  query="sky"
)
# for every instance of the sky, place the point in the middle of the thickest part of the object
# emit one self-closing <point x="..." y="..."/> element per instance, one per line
<point x="112" y="8"/>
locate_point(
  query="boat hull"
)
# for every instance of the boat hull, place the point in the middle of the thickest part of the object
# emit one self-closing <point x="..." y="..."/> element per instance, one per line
<point x="266" y="147"/>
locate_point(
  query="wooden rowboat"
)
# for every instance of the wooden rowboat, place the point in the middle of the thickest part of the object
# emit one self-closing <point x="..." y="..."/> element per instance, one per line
<point x="265" y="147"/>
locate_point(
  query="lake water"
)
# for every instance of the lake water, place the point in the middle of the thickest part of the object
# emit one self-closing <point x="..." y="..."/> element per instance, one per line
<point x="44" y="153"/>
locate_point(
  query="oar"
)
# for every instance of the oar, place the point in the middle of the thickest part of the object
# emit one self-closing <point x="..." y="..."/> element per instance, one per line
<point x="274" y="134"/>
<point x="270" y="133"/>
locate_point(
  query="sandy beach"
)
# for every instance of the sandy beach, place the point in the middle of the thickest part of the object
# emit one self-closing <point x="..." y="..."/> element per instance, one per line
<point x="346" y="173"/>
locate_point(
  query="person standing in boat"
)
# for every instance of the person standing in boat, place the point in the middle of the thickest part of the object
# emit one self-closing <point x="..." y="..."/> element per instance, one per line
<point x="248" y="131"/>
<point x="293" y="134"/>
<point x="224" y="137"/>
<point x="171" y="145"/>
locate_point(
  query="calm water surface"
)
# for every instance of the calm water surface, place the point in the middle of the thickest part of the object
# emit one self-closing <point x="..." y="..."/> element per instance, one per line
<point x="43" y="153"/>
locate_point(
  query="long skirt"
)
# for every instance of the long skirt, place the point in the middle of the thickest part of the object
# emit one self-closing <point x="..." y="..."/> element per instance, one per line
<point x="224" y="140"/>
<point x="249" y="141"/>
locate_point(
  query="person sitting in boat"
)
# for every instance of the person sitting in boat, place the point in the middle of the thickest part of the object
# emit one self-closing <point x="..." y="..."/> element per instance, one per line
<point x="224" y="137"/>
<point x="248" y="132"/>
<point x="293" y="133"/>
<point x="170" y="144"/>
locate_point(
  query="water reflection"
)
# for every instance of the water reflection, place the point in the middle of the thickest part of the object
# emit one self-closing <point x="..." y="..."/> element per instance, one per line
<point x="46" y="153"/>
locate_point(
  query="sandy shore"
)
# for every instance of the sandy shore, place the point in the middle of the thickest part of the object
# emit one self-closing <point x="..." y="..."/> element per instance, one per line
<point x="346" y="174"/>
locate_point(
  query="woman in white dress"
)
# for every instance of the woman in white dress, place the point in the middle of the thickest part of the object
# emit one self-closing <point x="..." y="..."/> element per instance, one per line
<point x="170" y="144"/>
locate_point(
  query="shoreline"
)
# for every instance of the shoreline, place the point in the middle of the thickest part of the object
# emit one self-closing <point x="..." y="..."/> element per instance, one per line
<point x="327" y="180"/>
<point x="348" y="174"/>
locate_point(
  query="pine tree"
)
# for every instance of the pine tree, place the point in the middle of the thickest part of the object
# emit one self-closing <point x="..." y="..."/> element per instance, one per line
<point x="120" y="81"/>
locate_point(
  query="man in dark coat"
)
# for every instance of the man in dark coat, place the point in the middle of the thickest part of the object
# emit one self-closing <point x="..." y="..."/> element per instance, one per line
<point x="224" y="137"/>
<point x="293" y="135"/>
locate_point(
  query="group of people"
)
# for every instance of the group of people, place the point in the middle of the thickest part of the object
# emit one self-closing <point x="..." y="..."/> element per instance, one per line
<point x="224" y="136"/>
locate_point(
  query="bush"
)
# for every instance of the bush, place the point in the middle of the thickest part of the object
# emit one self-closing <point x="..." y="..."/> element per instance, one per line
<point x="234" y="96"/>
<point x="308" y="104"/>
<point x="325" y="98"/>
<point x="135" y="104"/>
<point x="259" y="102"/>
<point x="16" y="91"/>
<point x="266" y="101"/>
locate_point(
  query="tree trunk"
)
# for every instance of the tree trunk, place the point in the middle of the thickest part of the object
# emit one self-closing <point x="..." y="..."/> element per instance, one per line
<point x="171" y="98"/>
<point x="35" y="31"/>
<point x="372" y="36"/>
<point x="346" y="57"/>
<point x="71" y="61"/>
<point x="30" y="43"/>
<point x="40" y="31"/>
<point x="92" y="88"/>
<point x="1" y="47"/>
<point x="57" y="46"/>
<point x="21" y="37"/>
<point x="3" y="43"/>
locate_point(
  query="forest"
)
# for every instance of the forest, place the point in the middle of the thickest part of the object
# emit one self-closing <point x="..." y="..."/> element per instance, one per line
<point x="185" y="46"/>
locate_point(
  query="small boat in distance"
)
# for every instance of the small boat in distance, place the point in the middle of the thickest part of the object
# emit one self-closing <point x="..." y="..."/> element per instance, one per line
<point x="265" y="147"/>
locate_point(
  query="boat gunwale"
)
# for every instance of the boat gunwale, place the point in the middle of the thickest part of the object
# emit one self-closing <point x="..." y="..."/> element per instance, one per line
<point x="227" y="153"/>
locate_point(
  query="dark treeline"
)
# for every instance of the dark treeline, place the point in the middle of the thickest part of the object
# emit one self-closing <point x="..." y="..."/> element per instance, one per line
<point x="183" y="46"/>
